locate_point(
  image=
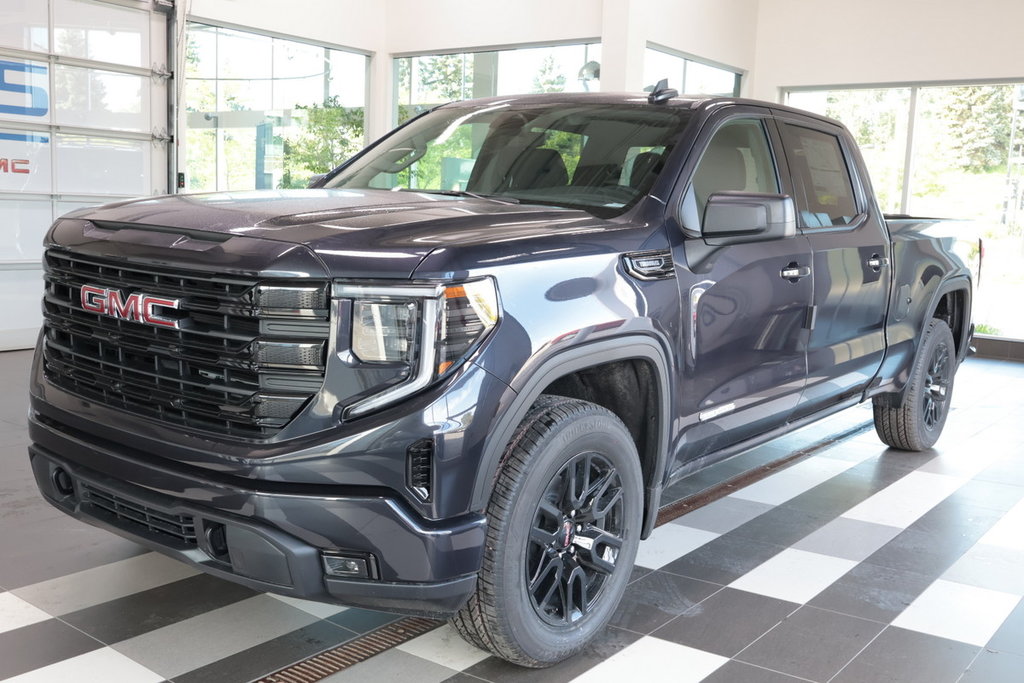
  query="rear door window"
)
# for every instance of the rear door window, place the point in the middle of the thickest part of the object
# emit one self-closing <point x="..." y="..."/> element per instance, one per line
<point x="821" y="177"/>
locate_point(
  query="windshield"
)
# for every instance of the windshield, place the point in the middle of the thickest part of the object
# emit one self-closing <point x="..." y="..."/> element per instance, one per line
<point x="598" y="157"/>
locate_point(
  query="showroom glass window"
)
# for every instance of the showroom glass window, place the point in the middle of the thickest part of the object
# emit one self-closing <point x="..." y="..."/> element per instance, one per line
<point x="266" y="112"/>
<point x="83" y="121"/>
<point x="688" y="75"/>
<point x="424" y="81"/>
<point x="955" y="151"/>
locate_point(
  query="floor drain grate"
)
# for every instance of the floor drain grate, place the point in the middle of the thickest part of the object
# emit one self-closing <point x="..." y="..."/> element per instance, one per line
<point x="329" y="662"/>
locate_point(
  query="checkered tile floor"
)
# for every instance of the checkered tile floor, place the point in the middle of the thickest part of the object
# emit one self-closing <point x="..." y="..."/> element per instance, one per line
<point x="856" y="564"/>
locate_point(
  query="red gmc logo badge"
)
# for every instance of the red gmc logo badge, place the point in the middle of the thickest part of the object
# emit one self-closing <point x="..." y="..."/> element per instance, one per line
<point x="138" y="306"/>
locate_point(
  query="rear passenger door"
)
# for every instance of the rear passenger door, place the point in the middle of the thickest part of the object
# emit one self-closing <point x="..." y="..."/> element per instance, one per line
<point x="850" y="263"/>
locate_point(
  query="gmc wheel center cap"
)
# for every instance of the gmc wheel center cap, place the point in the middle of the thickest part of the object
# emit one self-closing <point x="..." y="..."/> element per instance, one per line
<point x="567" y="533"/>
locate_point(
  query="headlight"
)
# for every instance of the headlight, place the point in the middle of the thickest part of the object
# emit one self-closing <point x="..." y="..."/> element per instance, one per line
<point x="384" y="332"/>
<point x="429" y="329"/>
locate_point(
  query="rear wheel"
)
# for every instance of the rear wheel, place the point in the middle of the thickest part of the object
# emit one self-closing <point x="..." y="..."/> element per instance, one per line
<point x="563" y="528"/>
<point x="915" y="424"/>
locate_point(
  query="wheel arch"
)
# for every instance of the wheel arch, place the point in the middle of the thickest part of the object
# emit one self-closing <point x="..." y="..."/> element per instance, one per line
<point x="563" y="372"/>
<point x="951" y="302"/>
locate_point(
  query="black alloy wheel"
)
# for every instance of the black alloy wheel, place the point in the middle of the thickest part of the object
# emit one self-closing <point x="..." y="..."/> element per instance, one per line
<point x="575" y="540"/>
<point x="936" y="386"/>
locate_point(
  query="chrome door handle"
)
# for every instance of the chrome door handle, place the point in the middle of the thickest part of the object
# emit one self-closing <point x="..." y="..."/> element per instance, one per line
<point x="876" y="262"/>
<point x="793" y="272"/>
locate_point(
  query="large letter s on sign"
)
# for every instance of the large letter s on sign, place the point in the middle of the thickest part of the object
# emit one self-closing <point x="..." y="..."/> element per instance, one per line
<point x="40" y="100"/>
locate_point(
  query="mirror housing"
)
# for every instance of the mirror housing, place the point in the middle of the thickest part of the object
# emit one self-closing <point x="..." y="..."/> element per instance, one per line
<point x="738" y="217"/>
<point x="315" y="180"/>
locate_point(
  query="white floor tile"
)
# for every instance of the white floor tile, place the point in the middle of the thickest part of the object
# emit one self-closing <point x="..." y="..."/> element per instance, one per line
<point x="794" y="575"/>
<point x="792" y="481"/>
<point x="15" y="613"/>
<point x="990" y="566"/>
<point x="1008" y="532"/>
<point x="101" y="584"/>
<point x="317" y="609"/>
<point x="959" y="612"/>
<point x="670" y="542"/>
<point x="654" y="659"/>
<point x="446" y="647"/>
<point x="958" y="462"/>
<point x="900" y="504"/>
<point x="99" y="666"/>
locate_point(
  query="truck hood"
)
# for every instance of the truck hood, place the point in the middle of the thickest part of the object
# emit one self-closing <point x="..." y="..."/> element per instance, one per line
<point x="365" y="233"/>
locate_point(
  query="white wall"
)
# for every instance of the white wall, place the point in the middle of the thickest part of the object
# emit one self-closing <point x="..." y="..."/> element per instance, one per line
<point x="838" y="42"/>
<point x="358" y="24"/>
<point x="723" y="31"/>
<point x="461" y="25"/>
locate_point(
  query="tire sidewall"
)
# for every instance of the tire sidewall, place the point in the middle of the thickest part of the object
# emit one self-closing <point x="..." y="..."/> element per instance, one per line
<point x="597" y="433"/>
<point x="938" y="334"/>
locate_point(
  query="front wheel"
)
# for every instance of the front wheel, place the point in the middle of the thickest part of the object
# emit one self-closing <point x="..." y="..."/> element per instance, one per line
<point x="564" y="524"/>
<point x="915" y="424"/>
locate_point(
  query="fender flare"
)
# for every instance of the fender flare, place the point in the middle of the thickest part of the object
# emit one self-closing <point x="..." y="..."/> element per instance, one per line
<point x="632" y="347"/>
<point x="952" y="284"/>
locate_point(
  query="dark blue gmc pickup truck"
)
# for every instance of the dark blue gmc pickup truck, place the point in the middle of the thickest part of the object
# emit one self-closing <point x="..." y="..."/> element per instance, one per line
<point x="454" y="377"/>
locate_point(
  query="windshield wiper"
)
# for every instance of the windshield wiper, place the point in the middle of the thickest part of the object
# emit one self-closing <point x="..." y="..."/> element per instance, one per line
<point x="501" y="199"/>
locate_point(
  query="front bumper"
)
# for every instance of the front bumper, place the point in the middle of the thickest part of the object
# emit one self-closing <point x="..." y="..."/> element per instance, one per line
<point x="276" y="535"/>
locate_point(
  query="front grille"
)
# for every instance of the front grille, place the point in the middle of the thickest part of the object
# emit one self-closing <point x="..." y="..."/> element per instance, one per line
<point x="139" y="517"/>
<point x="246" y="356"/>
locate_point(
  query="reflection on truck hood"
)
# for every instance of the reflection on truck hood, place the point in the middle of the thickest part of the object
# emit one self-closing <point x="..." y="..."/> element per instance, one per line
<point x="400" y="228"/>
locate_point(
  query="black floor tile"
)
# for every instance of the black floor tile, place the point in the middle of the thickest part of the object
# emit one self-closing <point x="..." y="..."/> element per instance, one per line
<point x="738" y="672"/>
<point x="792" y="646"/>
<point x="149" y="610"/>
<point x="783" y="525"/>
<point x="362" y="621"/>
<point x="909" y="657"/>
<point x="724" y="559"/>
<point x="41" y="644"/>
<point x="995" y="667"/>
<point x="872" y="592"/>
<point x="638" y="572"/>
<point x="611" y="641"/>
<point x="726" y="622"/>
<point x="836" y="496"/>
<point x="270" y="656"/>
<point x="51" y="545"/>
<point x="923" y="552"/>
<point x="658" y="598"/>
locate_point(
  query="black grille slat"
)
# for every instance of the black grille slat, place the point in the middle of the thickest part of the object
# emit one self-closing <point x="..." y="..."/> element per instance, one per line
<point x="181" y="527"/>
<point x="206" y="375"/>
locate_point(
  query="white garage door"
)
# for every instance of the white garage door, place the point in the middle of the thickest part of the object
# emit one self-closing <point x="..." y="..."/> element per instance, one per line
<point x="83" y="121"/>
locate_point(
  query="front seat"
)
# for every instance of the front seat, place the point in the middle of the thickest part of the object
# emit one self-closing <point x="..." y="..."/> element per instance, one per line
<point x="537" y="168"/>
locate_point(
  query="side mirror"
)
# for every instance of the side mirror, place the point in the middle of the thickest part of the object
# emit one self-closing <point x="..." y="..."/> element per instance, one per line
<point x="738" y="217"/>
<point x="314" y="181"/>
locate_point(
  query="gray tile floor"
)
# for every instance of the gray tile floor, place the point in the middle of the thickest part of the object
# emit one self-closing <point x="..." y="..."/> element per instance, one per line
<point x="856" y="564"/>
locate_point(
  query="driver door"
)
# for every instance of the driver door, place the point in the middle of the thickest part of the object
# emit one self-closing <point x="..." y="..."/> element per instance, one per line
<point x="744" y="305"/>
